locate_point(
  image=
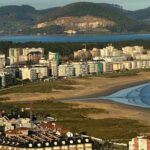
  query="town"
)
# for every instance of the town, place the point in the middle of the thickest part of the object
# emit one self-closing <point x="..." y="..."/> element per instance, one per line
<point x="31" y="64"/>
<point x="23" y="64"/>
<point x="25" y="131"/>
<point x="19" y="132"/>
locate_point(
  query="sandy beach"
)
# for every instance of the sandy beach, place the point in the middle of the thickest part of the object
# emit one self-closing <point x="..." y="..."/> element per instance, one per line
<point x="90" y="87"/>
<point x="96" y="86"/>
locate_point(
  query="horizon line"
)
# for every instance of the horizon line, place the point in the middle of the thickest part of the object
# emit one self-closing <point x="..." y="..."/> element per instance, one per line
<point x="70" y="4"/>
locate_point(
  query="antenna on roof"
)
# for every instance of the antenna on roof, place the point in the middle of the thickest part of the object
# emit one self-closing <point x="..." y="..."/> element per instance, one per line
<point x="31" y="113"/>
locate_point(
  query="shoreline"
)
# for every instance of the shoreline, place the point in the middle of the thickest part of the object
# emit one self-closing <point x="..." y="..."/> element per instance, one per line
<point x="95" y="87"/>
<point x="84" y="88"/>
<point x="111" y="90"/>
<point x="109" y="101"/>
<point x="31" y="38"/>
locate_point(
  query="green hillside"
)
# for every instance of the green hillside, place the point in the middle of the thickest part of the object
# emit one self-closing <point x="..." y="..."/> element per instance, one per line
<point x="22" y="19"/>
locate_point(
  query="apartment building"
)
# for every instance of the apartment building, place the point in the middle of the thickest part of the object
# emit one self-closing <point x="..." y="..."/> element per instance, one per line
<point x="19" y="56"/>
<point x="140" y="143"/>
<point x="6" y="79"/>
<point x="66" y="70"/>
<point x="2" y="60"/>
<point x="33" y="73"/>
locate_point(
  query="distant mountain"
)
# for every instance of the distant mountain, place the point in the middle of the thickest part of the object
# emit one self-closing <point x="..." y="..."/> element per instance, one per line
<point x="83" y="17"/>
<point x="16" y="17"/>
<point x="142" y="15"/>
<point x="106" y="11"/>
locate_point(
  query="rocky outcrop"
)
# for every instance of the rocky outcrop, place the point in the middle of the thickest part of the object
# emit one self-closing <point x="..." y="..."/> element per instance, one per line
<point x="78" y="23"/>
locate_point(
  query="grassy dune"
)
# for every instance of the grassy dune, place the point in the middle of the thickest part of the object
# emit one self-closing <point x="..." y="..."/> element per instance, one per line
<point x="41" y="87"/>
<point x="74" y="118"/>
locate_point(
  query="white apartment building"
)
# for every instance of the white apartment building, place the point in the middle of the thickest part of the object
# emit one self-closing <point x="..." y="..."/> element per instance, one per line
<point x="28" y="73"/>
<point x="66" y="70"/>
<point x="142" y="56"/>
<point x="127" y="65"/>
<point x="54" y="68"/>
<point x="20" y="55"/>
<point x="2" y="60"/>
<point x="117" y="66"/>
<point x="107" y="67"/>
<point x="26" y="51"/>
<point x="6" y="79"/>
<point x="41" y="71"/>
<point x="115" y="59"/>
<point x="110" y="51"/>
<point x="83" y="54"/>
<point x="81" y="69"/>
<point x="53" y="56"/>
<point x="92" y="67"/>
<point x="95" y="52"/>
<point x="44" y="62"/>
<point x="33" y="73"/>
<point x="133" y="50"/>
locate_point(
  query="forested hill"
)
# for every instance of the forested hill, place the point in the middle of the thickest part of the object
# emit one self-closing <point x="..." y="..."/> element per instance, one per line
<point x="86" y="16"/>
<point x="67" y="49"/>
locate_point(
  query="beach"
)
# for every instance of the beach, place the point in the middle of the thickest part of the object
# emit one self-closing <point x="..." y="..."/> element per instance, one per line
<point x="84" y="88"/>
<point x="104" y="115"/>
<point x="95" y="87"/>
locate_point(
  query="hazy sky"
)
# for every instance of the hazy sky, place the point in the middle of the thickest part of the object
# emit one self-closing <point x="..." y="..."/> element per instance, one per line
<point x="41" y="4"/>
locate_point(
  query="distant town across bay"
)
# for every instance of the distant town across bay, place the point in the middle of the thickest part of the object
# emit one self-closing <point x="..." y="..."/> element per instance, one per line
<point x="74" y="38"/>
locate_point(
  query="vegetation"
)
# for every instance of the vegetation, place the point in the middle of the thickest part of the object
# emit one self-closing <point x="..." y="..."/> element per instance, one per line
<point x="120" y="73"/>
<point x="4" y="98"/>
<point x="41" y="87"/>
<point x="108" y="128"/>
<point x="75" y="119"/>
<point x="22" y="19"/>
<point x="66" y="49"/>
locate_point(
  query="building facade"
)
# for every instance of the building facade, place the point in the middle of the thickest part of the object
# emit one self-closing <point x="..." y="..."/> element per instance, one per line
<point x="19" y="56"/>
<point x="2" y="61"/>
<point x="66" y="70"/>
<point x="140" y="143"/>
<point x="6" y="79"/>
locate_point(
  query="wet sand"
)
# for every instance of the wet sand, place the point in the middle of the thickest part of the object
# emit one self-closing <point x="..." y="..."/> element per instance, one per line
<point x="92" y="87"/>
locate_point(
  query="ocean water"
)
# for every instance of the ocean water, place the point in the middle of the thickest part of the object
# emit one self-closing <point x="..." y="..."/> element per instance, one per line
<point x="75" y="38"/>
<point x="135" y="96"/>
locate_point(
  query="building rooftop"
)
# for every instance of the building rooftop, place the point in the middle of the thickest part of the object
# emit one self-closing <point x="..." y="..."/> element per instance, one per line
<point x="38" y="135"/>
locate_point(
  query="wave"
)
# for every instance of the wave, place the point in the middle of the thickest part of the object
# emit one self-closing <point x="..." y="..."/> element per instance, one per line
<point x="136" y="96"/>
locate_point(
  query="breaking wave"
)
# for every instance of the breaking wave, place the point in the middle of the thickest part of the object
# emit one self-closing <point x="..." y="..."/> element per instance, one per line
<point x="136" y="96"/>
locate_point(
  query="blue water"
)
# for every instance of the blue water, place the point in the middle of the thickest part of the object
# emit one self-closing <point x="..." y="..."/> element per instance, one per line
<point x="136" y="96"/>
<point x="76" y="38"/>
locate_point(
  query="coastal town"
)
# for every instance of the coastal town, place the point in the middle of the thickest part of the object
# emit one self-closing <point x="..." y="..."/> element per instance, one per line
<point x="19" y="132"/>
<point x="26" y="132"/>
<point x="32" y="64"/>
<point x="74" y="75"/>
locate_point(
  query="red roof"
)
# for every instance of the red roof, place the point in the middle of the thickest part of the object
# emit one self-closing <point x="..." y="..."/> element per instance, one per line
<point x="17" y="130"/>
<point x="52" y="127"/>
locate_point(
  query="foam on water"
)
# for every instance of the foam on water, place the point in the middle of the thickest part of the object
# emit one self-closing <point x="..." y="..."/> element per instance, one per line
<point x="137" y="96"/>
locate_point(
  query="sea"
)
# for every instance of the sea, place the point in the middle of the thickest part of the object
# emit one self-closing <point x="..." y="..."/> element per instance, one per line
<point x="74" y="38"/>
<point x="135" y="96"/>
